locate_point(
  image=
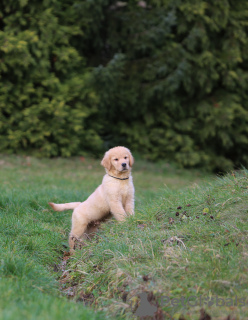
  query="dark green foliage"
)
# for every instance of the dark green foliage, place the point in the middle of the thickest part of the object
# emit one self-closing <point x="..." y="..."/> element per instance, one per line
<point x="166" y="78"/>
<point x="47" y="101"/>
<point x="181" y="89"/>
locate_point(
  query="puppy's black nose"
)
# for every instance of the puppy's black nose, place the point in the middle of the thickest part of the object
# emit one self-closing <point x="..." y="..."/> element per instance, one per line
<point x="124" y="165"/>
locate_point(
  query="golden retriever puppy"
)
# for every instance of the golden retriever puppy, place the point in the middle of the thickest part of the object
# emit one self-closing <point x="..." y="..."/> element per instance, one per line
<point x="115" y="195"/>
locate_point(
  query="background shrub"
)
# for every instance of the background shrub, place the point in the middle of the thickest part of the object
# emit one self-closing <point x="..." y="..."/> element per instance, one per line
<point x="47" y="105"/>
<point x="166" y="78"/>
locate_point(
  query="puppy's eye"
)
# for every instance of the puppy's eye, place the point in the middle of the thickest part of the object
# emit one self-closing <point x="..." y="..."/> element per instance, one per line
<point x="125" y="157"/>
<point x="116" y="159"/>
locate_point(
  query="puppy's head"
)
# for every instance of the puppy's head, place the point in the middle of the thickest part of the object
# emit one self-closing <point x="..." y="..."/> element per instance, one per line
<point x="118" y="160"/>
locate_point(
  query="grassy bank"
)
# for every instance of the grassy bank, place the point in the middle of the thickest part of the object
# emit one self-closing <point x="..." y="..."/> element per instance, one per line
<point x="183" y="255"/>
<point x="184" y="251"/>
<point x="31" y="243"/>
<point x="35" y="281"/>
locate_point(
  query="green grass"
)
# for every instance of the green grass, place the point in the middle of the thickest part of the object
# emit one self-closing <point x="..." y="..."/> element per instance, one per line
<point x="197" y="255"/>
<point x="188" y="255"/>
<point x="31" y="243"/>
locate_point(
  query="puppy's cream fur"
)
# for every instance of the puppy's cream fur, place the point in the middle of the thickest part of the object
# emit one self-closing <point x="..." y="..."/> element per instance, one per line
<point x="113" y="196"/>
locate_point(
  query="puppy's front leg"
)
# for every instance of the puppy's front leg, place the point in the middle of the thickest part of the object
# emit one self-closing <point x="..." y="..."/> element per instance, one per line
<point x="117" y="210"/>
<point x="129" y="205"/>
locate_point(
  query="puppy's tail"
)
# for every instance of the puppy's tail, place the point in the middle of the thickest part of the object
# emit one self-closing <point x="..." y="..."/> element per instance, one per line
<point x="64" y="206"/>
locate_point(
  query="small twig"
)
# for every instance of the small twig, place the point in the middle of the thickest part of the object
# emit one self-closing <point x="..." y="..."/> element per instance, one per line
<point x="177" y="239"/>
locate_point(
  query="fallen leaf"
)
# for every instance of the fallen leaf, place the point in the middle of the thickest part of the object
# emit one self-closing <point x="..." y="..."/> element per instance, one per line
<point x="229" y="318"/>
<point x="204" y="315"/>
<point x="87" y="298"/>
<point x="146" y="278"/>
<point x="171" y="220"/>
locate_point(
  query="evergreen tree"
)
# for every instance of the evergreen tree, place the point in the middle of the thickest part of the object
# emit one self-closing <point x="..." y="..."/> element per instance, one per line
<point x="47" y="103"/>
<point x="177" y="87"/>
<point x="166" y="78"/>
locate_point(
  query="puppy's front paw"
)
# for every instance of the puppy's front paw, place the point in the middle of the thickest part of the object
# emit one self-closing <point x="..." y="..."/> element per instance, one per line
<point x="75" y="243"/>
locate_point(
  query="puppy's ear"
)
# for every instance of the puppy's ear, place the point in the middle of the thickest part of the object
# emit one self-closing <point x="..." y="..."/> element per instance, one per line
<point x="131" y="160"/>
<point x="106" y="163"/>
